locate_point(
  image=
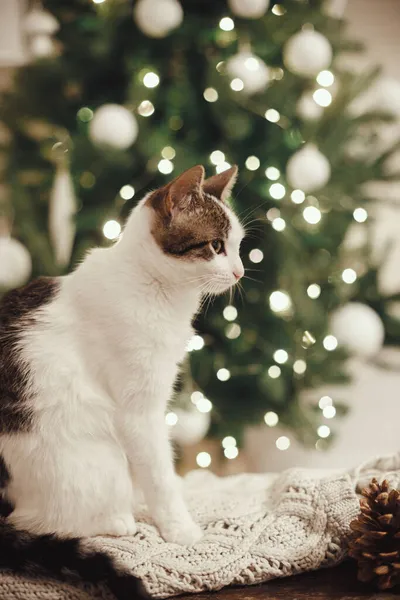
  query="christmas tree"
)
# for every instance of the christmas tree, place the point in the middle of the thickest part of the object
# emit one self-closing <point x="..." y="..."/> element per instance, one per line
<point x="118" y="100"/>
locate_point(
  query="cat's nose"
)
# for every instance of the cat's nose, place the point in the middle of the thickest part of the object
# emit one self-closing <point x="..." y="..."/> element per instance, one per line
<point x="238" y="273"/>
<point x="238" y="269"/>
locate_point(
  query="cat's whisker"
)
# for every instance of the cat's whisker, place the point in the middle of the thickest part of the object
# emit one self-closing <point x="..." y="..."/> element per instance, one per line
<point x="252" y="279"/>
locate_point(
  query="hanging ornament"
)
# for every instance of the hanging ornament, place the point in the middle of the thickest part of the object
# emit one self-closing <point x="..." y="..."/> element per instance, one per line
<point x="248" y="9"/>
<point x="114" y="126"/>
<point x="250" y="70"/>
<point x="61" y="216"/>
<point x="308" y="109"/>
<point x="308" y="169"/>
<point x="359" y="328"/>
<point x="191" y="426"/>
<point x="15" y="263"/>
<point x="157" y="18"/>
<point x="307" y="53"/>
<point x="40" y="26"/>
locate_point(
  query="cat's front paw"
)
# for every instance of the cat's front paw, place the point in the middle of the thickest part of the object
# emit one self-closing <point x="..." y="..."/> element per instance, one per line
<point x="185" y="534"/>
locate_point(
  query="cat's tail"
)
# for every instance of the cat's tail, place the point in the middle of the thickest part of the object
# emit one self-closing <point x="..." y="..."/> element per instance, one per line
<point x="66" y="559"/>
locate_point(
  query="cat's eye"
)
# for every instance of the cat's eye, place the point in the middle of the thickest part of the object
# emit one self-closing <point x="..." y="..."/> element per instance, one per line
<point x="218" y="246"/>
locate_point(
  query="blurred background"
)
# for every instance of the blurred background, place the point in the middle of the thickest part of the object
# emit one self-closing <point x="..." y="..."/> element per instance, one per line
<point x="102" y="100"/>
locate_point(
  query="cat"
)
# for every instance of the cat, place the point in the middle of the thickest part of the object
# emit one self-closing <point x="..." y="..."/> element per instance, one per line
<point x="87" y="366"/>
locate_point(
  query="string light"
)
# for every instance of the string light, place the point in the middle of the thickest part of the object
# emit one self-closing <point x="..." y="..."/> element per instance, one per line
<point x="233" y="331"/>
<point x="171" y="419"/>
<point x="329" y="412"/>
<point x="256" y="255"/>
<point x="307" y="340"/>
<point x="230" y="313"/>
<point x="277" y="191"/>
<point x="127" y="192"/>
<point x="325" y="78"/>
<point x="271" y="418"/>
<point x="98" y="1"/>
<point x="237" y="84"/>
<point x="324" y="431"/>
<point x="111" y="229"/>
<point x="297" y="196"/>
<point x="203" y="459"/>
<point x="273" y="213"/>
<point x="217" y="157"/>
<point x="279" y="224"/>
<point x="330" y="343"/>
<point x="85" y="114"/>
<point x="146" y="108"/>
<point x="210" y="95"/>
<point x="312" y="215"/>
<point x="220" y="66"/>
<point x="272" y="173"/>
<point x="165" y="166"/>
<point x="252" y="163"/>
<point x="168" y="152"/>
<point x="151" y="80"/>
<point x="360" y="215"/>
<point x="280" y="301"/>
<point x="281" y="356"/>
<point x="349" y="276"/>
<point x="277" y="73"/>
<point x="300" y="366"/>
<point x="324" y="402"/>
<point x="221" y="167"/>
<point x="282" y="443"/>
<point x="313" y="291"/>
<point x="272" y="115"/>
<point x="228" y="441"/>
<point x="231" y="452"/>
<point x="223" y="374"/>
<point x="322" y="97"/>
<point x="274" y="372"/>
<point x="204" y="405"/>
<point x="227" y="24"/>
<point x="195" y="343"/>
<point x="278" y="10"/>
<point x="87" y="179"/>
<point x="196" y="397"/>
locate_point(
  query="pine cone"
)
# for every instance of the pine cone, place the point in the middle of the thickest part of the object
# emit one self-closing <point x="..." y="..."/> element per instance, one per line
<point x="375" y="542"/>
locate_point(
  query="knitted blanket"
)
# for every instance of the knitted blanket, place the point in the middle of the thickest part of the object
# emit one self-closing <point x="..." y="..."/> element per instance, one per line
<point x="256" y="528"/>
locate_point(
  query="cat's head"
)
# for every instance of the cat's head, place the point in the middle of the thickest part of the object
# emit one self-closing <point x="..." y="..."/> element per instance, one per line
<point x="197" y="232"/>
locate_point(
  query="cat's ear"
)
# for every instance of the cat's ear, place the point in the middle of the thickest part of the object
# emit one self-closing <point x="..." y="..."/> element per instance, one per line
<point x="221" y="185"/>
<point x="181" y="189"/>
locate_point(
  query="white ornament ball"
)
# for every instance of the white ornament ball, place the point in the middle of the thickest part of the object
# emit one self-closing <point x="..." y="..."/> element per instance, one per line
<point x="359" y="328"/>
<point x="308" y="109"/>
<point x="15" y="263"/>
<point x="156" y="18"/>
<point x="308" y="169"/>
<point x="248" y="9"/>
<point x="191" y="427"/>
<point x="114" y="126"/>
<point x="39" y="21"/>
<point x="307" y="53"/>
<point x="42" y="46"/>
<point x="250" y="69"/>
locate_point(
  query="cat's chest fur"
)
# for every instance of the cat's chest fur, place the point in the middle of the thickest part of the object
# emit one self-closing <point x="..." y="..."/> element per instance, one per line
<point x="137" y="352"/>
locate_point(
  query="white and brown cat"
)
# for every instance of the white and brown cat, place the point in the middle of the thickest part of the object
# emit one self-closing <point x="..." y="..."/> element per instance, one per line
<point x="87" y="367"/>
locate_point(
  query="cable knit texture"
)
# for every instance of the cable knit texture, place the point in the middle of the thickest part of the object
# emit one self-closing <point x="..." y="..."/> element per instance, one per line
<point x="256" y="528"/>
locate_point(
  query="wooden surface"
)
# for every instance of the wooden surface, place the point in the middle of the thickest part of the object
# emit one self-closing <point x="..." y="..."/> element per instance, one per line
<point x="339" y="583"/>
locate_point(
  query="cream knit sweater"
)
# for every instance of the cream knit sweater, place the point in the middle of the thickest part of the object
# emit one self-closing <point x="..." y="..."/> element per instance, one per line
<point x="256" y="528"/>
